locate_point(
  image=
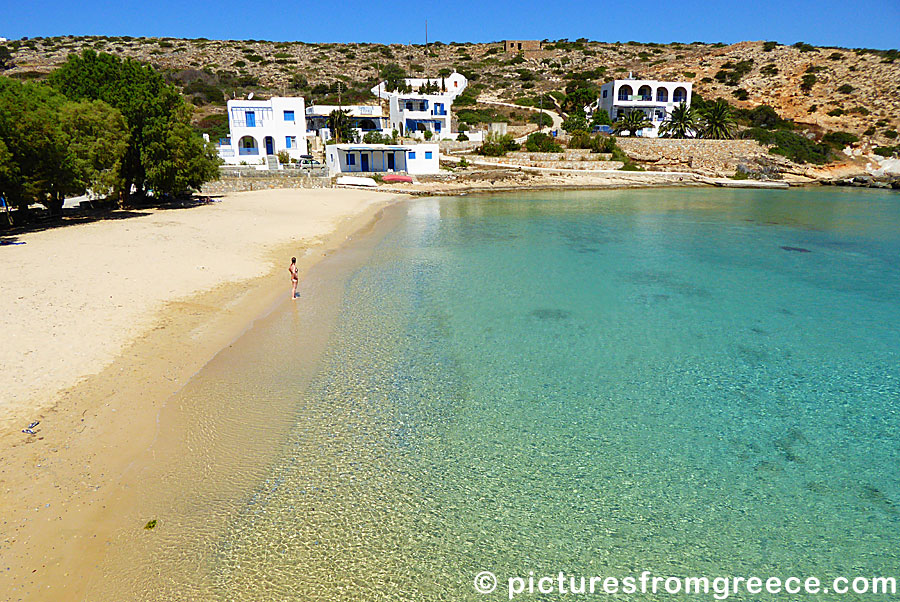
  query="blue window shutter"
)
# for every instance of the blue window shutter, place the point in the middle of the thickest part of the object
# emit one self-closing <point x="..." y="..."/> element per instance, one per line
<point x="427" y="154"/>
<point x="351" y="160"/>
<point x="288" y="115"/>
<point x="412" y="154"/>
<point x="287" y="142"/>
<point x="250" y="116"/>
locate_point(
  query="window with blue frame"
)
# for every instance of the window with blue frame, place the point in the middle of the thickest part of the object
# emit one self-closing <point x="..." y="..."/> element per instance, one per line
<point x="351" y="159"/>
<point x="290" y="142"/>
<point x="412" y="154"/>
<point x="250" y="116"/>
<point x="288" y="115"/>
<point x="427" y="154"/>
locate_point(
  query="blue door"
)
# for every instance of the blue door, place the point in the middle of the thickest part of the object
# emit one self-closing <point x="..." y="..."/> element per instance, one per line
<point x="364" y="162"/>
<point x="270" y="146"/>
<point x="251" y="119"/>
<point x="390" y="160"/>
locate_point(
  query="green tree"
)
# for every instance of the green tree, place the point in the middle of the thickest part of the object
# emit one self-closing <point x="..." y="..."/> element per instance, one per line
<point x="340" y="126"/>
<point x="600" y="117"/>
<point x="53" y="147"/>
<point x="683" y="123"/>
<point x="393" y="76"/>
<point x="631" y="122"/>
<point x="156" y="116"/>
<point x="577" y="122"/>
<point x="5" y="58"/>
<point x="578" y="98"/>
<point x="717" y="120"/>
<point x="97" y="139"/>
<point x="539" y="142"/>
<point x="178" y="160"/>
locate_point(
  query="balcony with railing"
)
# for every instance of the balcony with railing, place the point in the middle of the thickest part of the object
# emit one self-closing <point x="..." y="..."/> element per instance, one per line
<point x="248" y="151"/>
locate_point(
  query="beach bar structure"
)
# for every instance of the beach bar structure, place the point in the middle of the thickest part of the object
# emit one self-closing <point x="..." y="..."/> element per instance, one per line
<point x="656" y="99"/>
<point x="382" y="158"/>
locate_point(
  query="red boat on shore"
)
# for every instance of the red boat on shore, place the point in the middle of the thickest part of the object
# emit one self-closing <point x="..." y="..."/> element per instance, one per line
<point x="396" y="178"/>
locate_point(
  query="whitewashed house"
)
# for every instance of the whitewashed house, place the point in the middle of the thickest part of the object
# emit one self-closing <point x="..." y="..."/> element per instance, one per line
<point x="364" y="118"/>
<point x="263" y="128"/>
<point x="382" y="158"/>
<point x="418" y="111"/>
<point x="656" y="99"/>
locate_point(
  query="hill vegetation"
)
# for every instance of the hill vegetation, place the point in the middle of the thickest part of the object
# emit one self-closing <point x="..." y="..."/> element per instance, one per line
<point x="818" y="90"/>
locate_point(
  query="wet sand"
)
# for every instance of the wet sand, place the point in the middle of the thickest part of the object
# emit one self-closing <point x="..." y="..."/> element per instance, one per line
<point x="182" y="285"/>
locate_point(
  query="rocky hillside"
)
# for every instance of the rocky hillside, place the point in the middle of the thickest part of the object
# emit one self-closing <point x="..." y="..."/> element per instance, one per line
<point x="822" y="89"/>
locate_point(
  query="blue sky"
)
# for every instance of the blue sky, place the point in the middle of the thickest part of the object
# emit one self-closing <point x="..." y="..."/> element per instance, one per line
<point x="849" y="23"/>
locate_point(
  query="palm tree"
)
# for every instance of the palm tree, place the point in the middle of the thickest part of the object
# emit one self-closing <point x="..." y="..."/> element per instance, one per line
<point x="340" y="126"/>
<point x="684" y="123"/>
<point x="717" y="120"/>
<point x="632" y="122"/>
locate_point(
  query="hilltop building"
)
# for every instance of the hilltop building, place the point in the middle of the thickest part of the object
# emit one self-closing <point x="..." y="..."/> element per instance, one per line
<point x="422" y="109"/>
<point x="262" y="128"/>
<point x="382" y="158"/>
<point x="516" y="46"/>
<point x="365" y="118"/>
<point x="656" y="99"/>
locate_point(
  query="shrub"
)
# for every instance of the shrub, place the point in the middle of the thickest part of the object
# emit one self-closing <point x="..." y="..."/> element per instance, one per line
<point x="795" y="147"/>
<point x="379" y="138"/>
<point x="845" y="89"/>
<point x="839" y="139"/>
<point x="892" y="134"/>
<point x="428" y="134"/>
<point x="807" y="82"/>
<point x="741" y="94"/>
<point x="462" y="138"/>
<point x="539" y="142"/>
<point x="836" y="112"/>
<point x="769" y="46"/>
<point x="541" y="119"/>
<point x="869" y="132"/>
<point x="769" y="69"/>
<point x="835" y="56"/>
<point x="804" y="47"/>
<point x="497" y="145"/>
<point x="283" y="157"/>
<point x="887" y="151"/>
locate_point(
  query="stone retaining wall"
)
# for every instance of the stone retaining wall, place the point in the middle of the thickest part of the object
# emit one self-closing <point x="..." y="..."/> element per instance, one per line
<point x="712" y="157"/>
<point x="246" y="180"/>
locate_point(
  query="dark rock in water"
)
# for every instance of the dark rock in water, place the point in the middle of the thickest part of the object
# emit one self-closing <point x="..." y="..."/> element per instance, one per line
<point x="797" y="249"/>
<point x="551" y="314"/>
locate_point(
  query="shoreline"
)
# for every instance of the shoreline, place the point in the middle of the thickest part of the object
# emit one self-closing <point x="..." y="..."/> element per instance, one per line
<point x="60" y="486"/>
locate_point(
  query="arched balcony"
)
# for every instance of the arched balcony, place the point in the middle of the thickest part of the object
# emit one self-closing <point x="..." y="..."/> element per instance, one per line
<point x="680" y="95"/>
<point x="645" y="93"/>
<point x="662" y="95"/>
<point x="625" y="92"/>
<point x="248" y="146"/>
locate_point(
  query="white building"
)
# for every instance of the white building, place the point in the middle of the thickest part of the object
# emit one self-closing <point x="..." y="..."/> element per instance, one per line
<point x="382" y="158"/>
<point x="365" y="118"/>
<point x="419" y="111"/>
<point x="261" y="128"/>
<point x="655" y="99"/>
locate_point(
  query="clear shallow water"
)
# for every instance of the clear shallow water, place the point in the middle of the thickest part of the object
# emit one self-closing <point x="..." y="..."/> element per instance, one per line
<point x="691" y="382"/>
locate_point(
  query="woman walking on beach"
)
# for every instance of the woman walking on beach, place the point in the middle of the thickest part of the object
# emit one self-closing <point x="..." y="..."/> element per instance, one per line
<point x="293" y="271"/>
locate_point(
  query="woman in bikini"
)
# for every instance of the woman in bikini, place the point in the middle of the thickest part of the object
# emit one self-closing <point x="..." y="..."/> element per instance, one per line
<point x="293" y="271"/>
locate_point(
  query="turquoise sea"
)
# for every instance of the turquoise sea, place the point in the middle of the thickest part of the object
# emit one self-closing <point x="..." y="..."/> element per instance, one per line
<point x="689" y="382"/>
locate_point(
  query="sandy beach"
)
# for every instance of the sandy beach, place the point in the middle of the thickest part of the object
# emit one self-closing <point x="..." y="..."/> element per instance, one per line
<point x="102" y="322"/>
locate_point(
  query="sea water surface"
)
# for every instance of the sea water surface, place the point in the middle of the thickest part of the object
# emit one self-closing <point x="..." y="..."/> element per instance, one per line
<point x="689" y="382"/>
